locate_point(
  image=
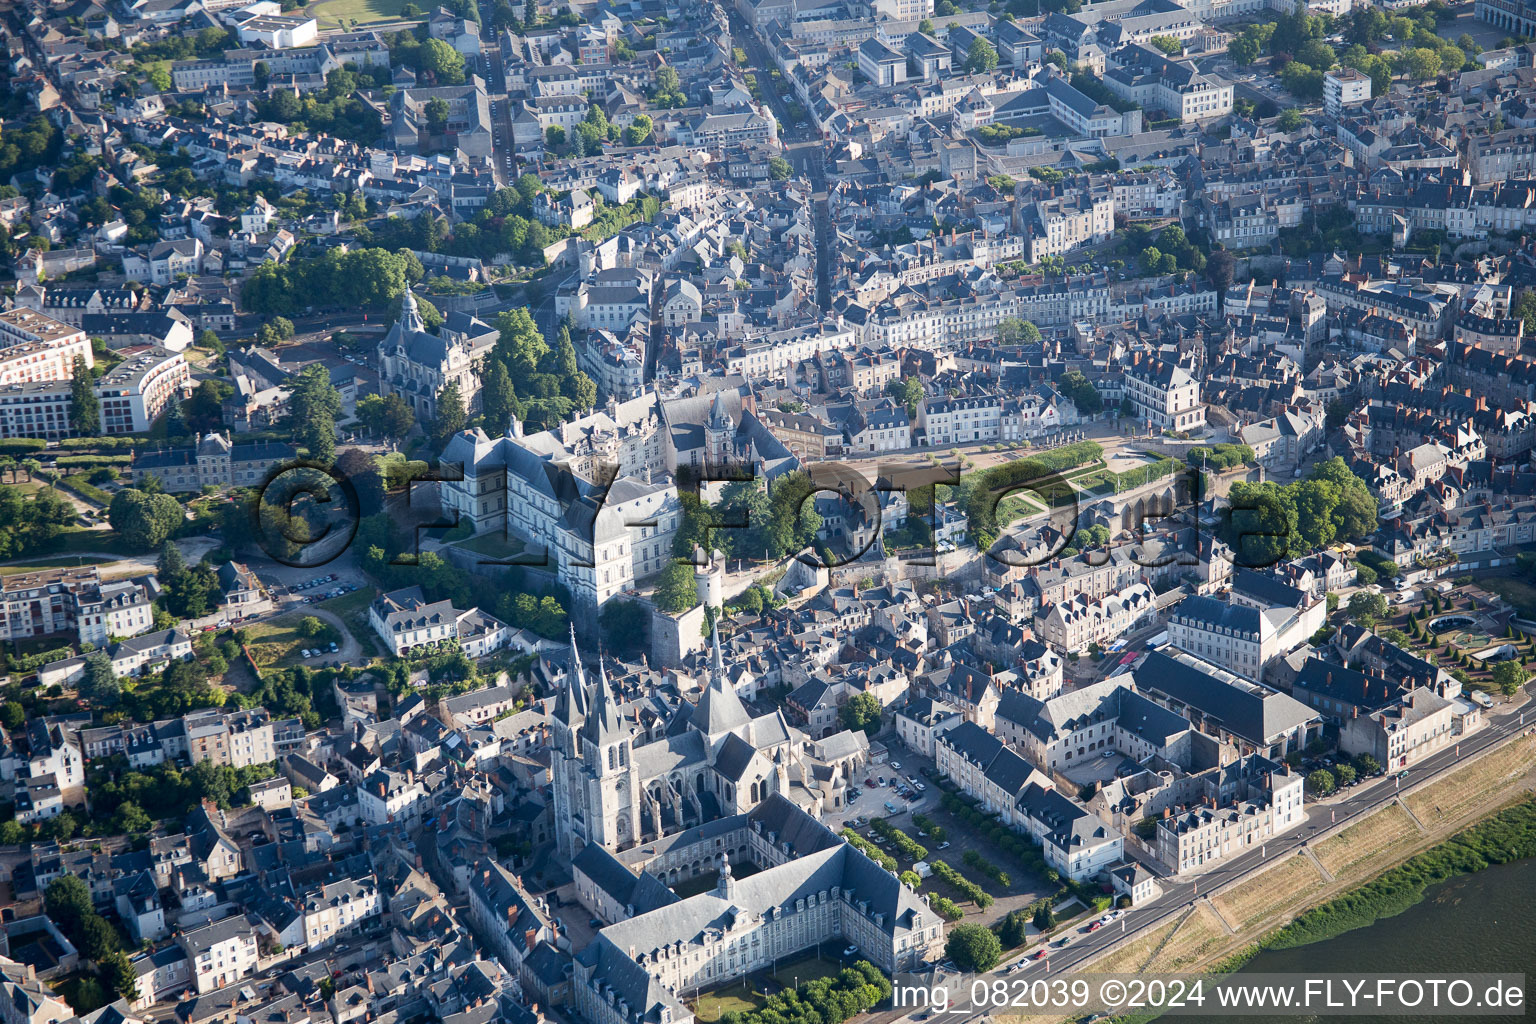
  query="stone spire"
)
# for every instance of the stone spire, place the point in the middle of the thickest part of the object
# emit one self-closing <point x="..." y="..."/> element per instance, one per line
<point x="603" y="726"/>
<point x="571" y="704"/>
<point x="720" y="709"/>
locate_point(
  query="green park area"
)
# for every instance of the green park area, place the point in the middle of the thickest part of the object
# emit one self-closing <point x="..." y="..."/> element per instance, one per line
<point x="752" y="992"/>
<point x="346" y="13"/>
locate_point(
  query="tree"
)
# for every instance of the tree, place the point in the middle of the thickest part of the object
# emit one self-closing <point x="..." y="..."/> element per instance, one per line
<point x="1422" y="63"/>
<point x="437" y="116"/>
<point x="778" y="168"/>
<point x="675" y="588"/>
<point x="1220" y="268"/>
<point x="498" y="398"/>
<point x="84" y="406"/>
<point x="1084" y="395"/>
<point x="97" y="937"/>
<point x="441" y="61"/>
<point x="1364" y="575"/>
<point x="861" y="711"/>
<point x="639" y="131"/>
<point x="1244" y="49"/>
<point x="908" y="391"/>
<point x="144" y="521"/>
<point x="1366" y="608"/>
<point x="118" y="972"/>
<point x="1168" y="44"/>
<point x="1290" y="120"/>
<point x="1345" y="774"/>
<point x="974" y="948"/>
<point x="68" y="901"/>
<point x="1508" y="676"/>
<point x="99" y="684"/>
<point x="1013" y="330"/>
<point x="554" y="136"/>
<point x="313" y="406"/>
<point x="1013" y="932"/>
<point x="1045" y="917"/>
<point x="1322" y="782"/>
<point x="1317" y="54"/>
<point x="1365" y="764"/>
<point x="981" y="57"/>
<point x="623" y="625"/>
<point x="451" y="417"/>
<point x="1259" y="523"/>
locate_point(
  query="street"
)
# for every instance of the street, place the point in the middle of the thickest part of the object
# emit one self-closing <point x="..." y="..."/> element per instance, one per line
<point x="1179" y="896"/>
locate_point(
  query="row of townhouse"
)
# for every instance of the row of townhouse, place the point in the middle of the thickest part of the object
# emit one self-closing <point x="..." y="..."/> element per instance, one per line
<point x="1463" y="212"/>
<point x="943" y="322"/>
<point x="1074" y="840"/>
<point x="238" y="739"/>
<point x="1078" y="623"/>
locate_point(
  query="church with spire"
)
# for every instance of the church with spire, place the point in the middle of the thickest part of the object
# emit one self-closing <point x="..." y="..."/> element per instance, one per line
<point x="416" y="363"/>
<point x="623" y="775"/>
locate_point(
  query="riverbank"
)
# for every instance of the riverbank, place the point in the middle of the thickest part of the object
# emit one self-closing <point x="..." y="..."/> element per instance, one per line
<point x="1221" y="934"/>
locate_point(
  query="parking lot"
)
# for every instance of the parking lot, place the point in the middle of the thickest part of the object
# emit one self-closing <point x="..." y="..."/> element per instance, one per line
<point x="878" y="785"/>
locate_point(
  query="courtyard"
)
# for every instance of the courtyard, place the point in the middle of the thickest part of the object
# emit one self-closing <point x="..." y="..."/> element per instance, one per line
<point x="752" y="991"/>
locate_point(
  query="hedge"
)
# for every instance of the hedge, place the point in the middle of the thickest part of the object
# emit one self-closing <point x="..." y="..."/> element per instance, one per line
<point x="93" y="461"/>
<point x="22" y="447"/>
<point x="967" y="888"/>
<point x="904" y="844"/>
<point x="88" y="491"/>
<point x="869" y="849"/>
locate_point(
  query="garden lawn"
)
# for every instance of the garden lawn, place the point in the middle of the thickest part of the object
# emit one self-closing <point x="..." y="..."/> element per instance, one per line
<point x="1517" y="592"/>
<point x="333" y="13"/>
<point x="276" y="642"/>
<point x="352" y="609"/>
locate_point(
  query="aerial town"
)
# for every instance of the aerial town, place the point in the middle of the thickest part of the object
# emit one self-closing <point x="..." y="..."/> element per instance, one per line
<point x="672" y="511"/>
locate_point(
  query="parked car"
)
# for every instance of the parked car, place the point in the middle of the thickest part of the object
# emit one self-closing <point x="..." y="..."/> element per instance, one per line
<point x="851" y="951"/>
<point x="896" y="765"/>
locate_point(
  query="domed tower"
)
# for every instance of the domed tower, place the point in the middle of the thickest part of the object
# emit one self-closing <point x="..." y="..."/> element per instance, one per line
<point x="410" y="313"/>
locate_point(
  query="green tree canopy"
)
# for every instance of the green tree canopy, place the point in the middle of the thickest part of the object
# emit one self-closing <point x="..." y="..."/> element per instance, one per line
<point x="144" y="521"/>
<point x="974" y="948"/>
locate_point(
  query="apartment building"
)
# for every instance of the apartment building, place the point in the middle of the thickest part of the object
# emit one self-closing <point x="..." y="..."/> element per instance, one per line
<point x="1402" y="734"/>
<point x="1079" y="622"/>
<point x="221" y="953"/>
<point x="35" y="347"/>
<point x="1244" y="805"/>
<point x="1177" y="88"/>
<point x="1344" y="87"/>
<point x="1164" y="395"/>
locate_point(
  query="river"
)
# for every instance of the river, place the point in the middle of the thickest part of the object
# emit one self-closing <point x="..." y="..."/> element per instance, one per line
<point x="1476" y="923"/>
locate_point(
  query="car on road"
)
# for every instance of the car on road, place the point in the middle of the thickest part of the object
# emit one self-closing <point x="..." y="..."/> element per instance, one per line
<point x="1061" y="942"/>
